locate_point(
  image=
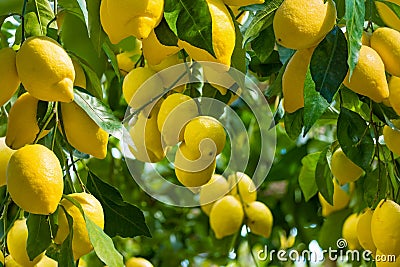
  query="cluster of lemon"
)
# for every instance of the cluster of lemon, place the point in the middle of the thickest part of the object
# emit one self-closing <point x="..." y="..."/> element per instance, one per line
<point x="230" y="202"/>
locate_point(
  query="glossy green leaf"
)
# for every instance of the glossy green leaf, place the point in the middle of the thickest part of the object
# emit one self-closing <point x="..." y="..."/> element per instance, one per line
<point x="165" y="35"/>
<point x="294" y="123"/>
<point x="39" y="235"/>
<point x="375" y="184"/>
<point x="66" y="257"/>
<point x="307" y="175"/>
<point x="355" y="138"/>
<point x="276" y="87"/>
<point x="113" y="59"/>
<point x="264" y="44"/>
<point x="71" y="6"/>
<point x="93" y="84"/>
<point x="96" y="33"/>
<point x="37" y="17"/>
<point x="331" y="230"/>
<point x="323" y="175"/>
<point x="329" y="63"/>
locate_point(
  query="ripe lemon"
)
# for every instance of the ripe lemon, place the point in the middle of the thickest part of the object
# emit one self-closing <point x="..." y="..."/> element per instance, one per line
<point x="46" y="70"/>
<point x="242" y="2"/>
<point x="82" y="132"/>
<point x="5" y="155"/>
<point x="16" y="243"/>
<point x="138" y="262"/>
<point x="343" y="169"/>
<point x="349" y="231"/>
<point x="385" y="227"/>
<point x="137" y="96"/>
<point x="191" y="169"/>
<point x="125" y="63"/>
<point x="154" y="51"/>
<point x="242" y="187"/>
<point x="47" y="262"/>
<point x="214" y="73"/>
<point x="169" y="78"/>
<point x="175" y="112"/>
<point x="226" y="216"/>
<point x="340" y="200"/>
<point x="259" y="218"/>
<point x="8" y="74"/>
<point x="36" y="168"/>
<point x="1" y="257"/>
<point x="369" y="76"/>
<point x="364" y="231"/>
<point x="80" y="77"/>
<point x="10" y="262"/>
<point x="205" y="134"/>
<point x="293" y="80"/>
<point x="223" y="36"/>
<point x="394" y="93"/>
<point x="92" y="208"/>
<point x="387" y="15"/>
<point x="385" y="260"/>
<point x="22" y="123"/>
<point x="392" y="137"/>
<point x="366" y="38"/>
<point x="300" y="24"/>
<point x="146" y="137"/>
<point x="113" y="27"/>
<point x="216" y="188"/>
<point x="386" y="41"/>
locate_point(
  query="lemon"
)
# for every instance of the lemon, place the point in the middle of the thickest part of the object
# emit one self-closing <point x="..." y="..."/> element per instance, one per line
<point x="10" y="262"/>
<point x="343" y="169"/>
<point x="125" y="63"/>
<point x="82" y="132"/>
<point x="394" y="93"/>
<point x="385" y="41"/>
<point x="392" y="137"/>
<point x="146" y="137"/>
<point x="191" y="169"/>
<point x="215" y="73"/>
<point x="93" y="210"/>
<point x="17" y="237"/>
<point x="300" y="24"/>
<point x="132" y="18"/>
<point x="216" y="188"/>
<point x="47" y="262"/>
<point x="22" y="124"/>
<point x="242" y="187"/>
<point x="8" y="74"/>
<point x="259" y="218"/>
<point x="154" y="51"/>
<point x="169" y="79"/>
<point x="205" y="134"/>
<point x="82" y="263"/>
<point x="1" y="257"/>
<point x="226" y="216"/>
<point x="364" y="231"/>
<point x="45" y="69"/>
<point x="366" y="38"/>
<point x="175" y="112"/>
<point x="80" y="77"/>
<point x="349" y="232"/>
<point x="242" y="2"/>
<point x="385" y="260"/>
<point x="369" y="76"/>
<point x="137" y="96"/>
<point x="293" y="80"/>
<point x="387" y="15"/>
<point x="36" y="168"/>
<point x="138" y="262"/>
<point x="340" y="200"/>
<point x="223" y="36"/>
<point x="385" y="227"/>
<point x="113" y="27"/>
<point x="5" y="155"/>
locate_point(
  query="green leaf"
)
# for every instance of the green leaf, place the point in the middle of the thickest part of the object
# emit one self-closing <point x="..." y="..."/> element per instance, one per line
<point x="323" y="175"/>
<point x="45" y="110"/>
<point x="122" y="218"/>
<point x="66" y="257"/>
<point x="276" y="87"/>
<point x="307" y="181"/>
<point x="329" y="63"/>
<point x="355" y="138"/>
<point x="37" y="17"/>
<point x="114" y="63"/>
<point x="354" y="15"/>
<point x="278" y="115"/>
<point x="331" y="230"/>
<point x="238" y="60"/>
<point x="96" y="33"/>
<point x="375" y="184"/>
<point x="39" y="235"/>
<point x="314" y="104"/>
<point x="211" y="107"/>
<point x="165" y="35"/>
<point x="93" y="84"/>
<point x="294" y="123"/>
<point x="72" y="7"/>
<point x="264" y="44"/>
<point x="191" y="22"/>
<point x="340" y="8"/>
<point x="8" y="7"/>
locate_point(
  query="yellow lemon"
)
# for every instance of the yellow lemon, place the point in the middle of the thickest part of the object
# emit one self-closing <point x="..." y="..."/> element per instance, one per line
<point x="392" y="137"/>
<point x="5" y="155"/>
<point x="293" y="80"/>
<point x="216" y="188"/>
<point x="242" y="2"/>
<point x="154" y="51"/>
<point x="113" y="27"/>
<point x="259" y="218"/>
<point x="80" y="77"/>
<point x="8" y="74"/>
<point x="45" y="69"/>
<point x="394" y="93"/>
<point x="223" y="36"/>
<point x="300" y="24"/>
<point x="47" y="262"/>
<point x="82" y="132"/>
<point x="343" y="169"/>
<point x="387" y="15"/>
<point x="385" y="260"/>
<point x="10" y="262"/>
<point x="214" y="73"/>
<point x="340" y="200"/>
<point x="364" y="233"/>
<point x="22" y="123"/>
<point x="386" y="42"/>
<point x="36" y="168"/>
<point x="138" y="262"/>
<point x="366" y="38"/>
<point x="242" y="187"/>
<point x="146" y="137"/>
<point x="175" y="112"/>
<point x="92" y="208"/>
<point x="385" y="227"/>
<point x="349" y="232"/>
<point x="226" y="216"/>
<point x="170" y="78"/>
<point x="125" y="63"/>
<point x="1" y="257"/>
<point x="369" y="76"/>
<point x="16" y="243"/>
